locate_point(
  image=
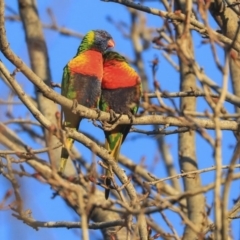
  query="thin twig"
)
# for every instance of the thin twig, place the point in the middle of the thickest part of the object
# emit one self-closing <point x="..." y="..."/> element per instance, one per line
<point x="192" y="172"/>
<point x="69" y="225"/>
<point x="178" y="17"/>
<point x="30" y="152"/>
<point x="52" y="26"/>
<point x="226" y="190"/>
<point x="218" y="154"/>
<point x="170" y="225"/>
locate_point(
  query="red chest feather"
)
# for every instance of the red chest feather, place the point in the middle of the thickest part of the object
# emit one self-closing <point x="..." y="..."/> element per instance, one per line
<point x="88" y="63"/>
<point x="119" y="75"/>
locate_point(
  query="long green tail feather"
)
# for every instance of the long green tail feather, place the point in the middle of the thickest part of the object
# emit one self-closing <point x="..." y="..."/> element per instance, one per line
<point x="65" y="154"/>
<point x="71" y="121"/>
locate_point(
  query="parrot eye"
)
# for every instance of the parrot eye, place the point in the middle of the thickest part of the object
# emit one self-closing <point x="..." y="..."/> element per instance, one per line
<point x="102" y="34"/>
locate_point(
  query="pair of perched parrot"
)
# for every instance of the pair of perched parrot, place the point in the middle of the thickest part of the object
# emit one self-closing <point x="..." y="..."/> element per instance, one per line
<point x="99" y="78"/>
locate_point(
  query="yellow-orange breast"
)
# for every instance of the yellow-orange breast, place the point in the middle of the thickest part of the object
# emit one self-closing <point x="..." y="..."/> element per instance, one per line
<point x="88" y="63"/>
<point x="118" y="74"/>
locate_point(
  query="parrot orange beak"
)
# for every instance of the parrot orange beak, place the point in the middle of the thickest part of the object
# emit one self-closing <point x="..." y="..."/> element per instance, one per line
<point x="111" y="43"/>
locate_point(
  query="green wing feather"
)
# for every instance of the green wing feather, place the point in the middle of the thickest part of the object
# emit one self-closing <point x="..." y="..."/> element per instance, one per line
<point x="71" y="120"/>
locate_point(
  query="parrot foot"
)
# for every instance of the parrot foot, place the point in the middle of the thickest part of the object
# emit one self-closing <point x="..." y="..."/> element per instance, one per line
<point x="108" y="126"/>
<point x="130" y="116"/>
<point x="98" y="113"/>
<point x="74" y="106"/>
<point x="113" y="116"/>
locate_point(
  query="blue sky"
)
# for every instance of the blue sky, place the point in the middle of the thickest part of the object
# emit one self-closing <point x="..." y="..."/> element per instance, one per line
<point x="83" y="16"/>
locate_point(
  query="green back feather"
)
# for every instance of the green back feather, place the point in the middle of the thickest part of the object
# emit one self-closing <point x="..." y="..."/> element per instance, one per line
<point x="87" y="42"/>
<point x="65" y="80"/>
<point x="111" y="55"/>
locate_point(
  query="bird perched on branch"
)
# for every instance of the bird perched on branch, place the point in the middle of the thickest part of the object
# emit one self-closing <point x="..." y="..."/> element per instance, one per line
<point x="121" y="93"/>
<point x="81" y="81"/>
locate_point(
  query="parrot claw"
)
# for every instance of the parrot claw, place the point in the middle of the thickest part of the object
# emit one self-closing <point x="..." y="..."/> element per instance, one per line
<point x="98" y="113"/>
<point x="130" y="116"/>
<point x="108" y="126"/>
<point x="74" y="106"/>
<point x="113" y="116"/>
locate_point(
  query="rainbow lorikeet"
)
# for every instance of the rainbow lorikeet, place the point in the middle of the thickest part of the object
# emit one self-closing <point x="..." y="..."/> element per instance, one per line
<point x="81" y="81"/>
<point x="121" y="93"/>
